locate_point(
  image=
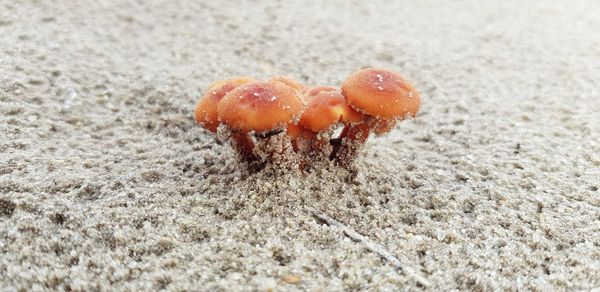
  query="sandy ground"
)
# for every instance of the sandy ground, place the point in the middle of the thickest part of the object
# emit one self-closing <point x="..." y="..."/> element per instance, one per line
<point x="106" y="182"/>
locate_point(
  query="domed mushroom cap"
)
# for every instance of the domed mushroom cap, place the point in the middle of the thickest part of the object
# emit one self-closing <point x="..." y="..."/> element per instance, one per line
<point x="288" y="81"/>
<point x="381" y="93"/>
<point x="260" y="106"/>
<point x="206" y="110"/>
<point x="326" y="107"/>
<point x="310" y="92"/>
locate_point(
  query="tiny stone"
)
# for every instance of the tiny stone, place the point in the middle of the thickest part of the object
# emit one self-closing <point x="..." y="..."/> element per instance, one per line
<point x="292" y="279"/>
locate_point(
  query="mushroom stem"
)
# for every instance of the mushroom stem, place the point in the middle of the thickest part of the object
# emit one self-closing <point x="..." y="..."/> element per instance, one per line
<point x="318" y="144"/>
<point x="278" y="148"/>
<point x="311" y="143"/>
<point x="302" y="142"/>
<point x="353" y="136"/>
<point x="243" y="144"/>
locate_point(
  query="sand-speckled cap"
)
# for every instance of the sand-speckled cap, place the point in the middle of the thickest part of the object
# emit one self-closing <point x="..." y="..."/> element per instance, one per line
<point x="326" y="107"/>
<point x="289" y="81"/>
<point x="381" y="93"/>
<point x="260" y="106"/>
<point x="206" y="112"/>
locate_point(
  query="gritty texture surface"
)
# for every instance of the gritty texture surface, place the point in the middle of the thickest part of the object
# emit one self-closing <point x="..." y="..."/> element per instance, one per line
<point x="106" y="182"/>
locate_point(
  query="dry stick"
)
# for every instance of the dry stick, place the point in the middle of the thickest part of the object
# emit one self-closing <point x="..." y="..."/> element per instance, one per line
<point x="374" y="247"/>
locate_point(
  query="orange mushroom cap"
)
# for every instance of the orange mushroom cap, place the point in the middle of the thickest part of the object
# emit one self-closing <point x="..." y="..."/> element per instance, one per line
<point x="260" y="106"/>
<point x="326" y="107"/>
<point x="310" y="92"/>
<point x="288" y="81"/>
<point x="381" y="93"/>
<point x="206" y="110"/>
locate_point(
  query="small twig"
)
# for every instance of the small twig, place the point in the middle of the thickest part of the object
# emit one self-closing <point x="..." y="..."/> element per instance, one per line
<point x="374" y="247"/>
<point x="268" y="134"/>
<point x="335" y="141"/>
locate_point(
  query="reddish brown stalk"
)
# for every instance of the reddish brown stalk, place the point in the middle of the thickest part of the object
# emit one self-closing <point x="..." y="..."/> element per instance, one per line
<point x="352" y="138"/>
<point x="244" y="146"/>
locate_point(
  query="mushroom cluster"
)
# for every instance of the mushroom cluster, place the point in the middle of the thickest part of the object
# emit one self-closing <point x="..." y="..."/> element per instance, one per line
<point x="279" y="121"/>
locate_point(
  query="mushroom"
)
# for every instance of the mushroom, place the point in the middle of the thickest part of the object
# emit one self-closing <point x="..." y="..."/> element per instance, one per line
<point x="384" y="97"/>
<point x="326" y="109"/>
<point x="263" y="108"/>
<point x="206" y="110"/>
<point x="288" y="81"/>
